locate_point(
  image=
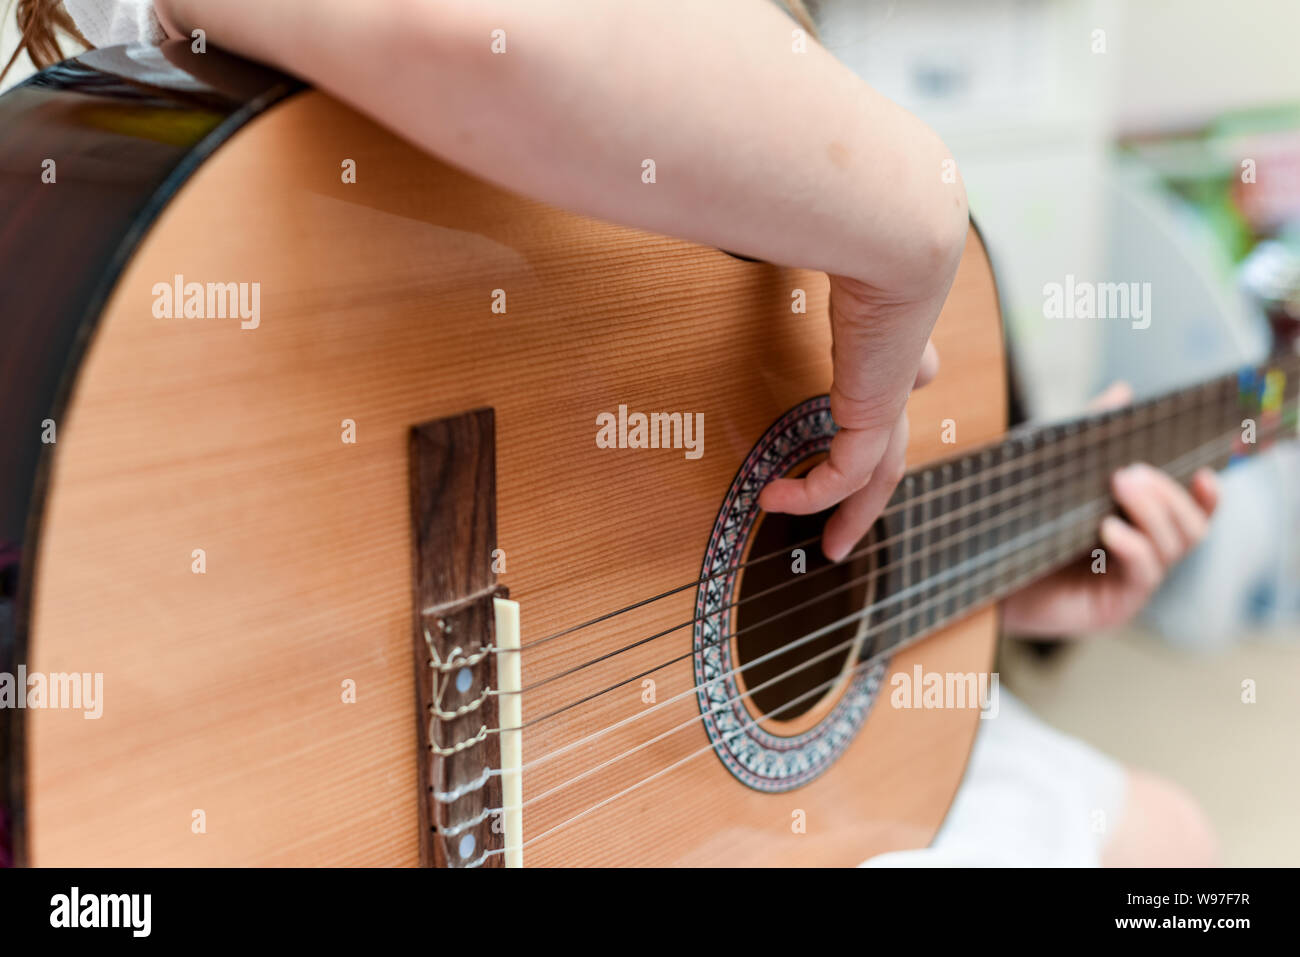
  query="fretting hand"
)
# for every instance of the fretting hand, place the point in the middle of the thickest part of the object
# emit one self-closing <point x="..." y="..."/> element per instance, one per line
<point x="1164" y="523"/>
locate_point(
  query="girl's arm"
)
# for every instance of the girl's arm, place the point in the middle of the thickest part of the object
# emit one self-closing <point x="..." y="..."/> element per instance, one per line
<point x="760" y="150"/>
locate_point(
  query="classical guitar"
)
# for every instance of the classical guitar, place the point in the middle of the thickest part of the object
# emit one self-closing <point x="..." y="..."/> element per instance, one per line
<point x="357" y="512"/>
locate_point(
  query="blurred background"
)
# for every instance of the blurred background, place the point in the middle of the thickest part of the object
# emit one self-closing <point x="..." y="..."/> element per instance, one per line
<point x="1117" y="142"/>
<point x="1141" y="141"/>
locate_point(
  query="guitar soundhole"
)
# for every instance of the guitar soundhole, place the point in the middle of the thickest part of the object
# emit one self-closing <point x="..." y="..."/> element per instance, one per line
<point x="795" y="593"/>
<point x="779" y="725"/>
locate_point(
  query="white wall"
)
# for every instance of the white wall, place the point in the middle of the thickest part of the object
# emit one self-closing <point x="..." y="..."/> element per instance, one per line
<point x="1019" y="95"/>
<point x="1031" y="109"/>
<point x="1184" y="61"/>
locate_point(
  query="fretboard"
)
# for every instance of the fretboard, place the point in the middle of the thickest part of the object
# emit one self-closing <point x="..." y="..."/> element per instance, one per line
<point x="971" y="529"/>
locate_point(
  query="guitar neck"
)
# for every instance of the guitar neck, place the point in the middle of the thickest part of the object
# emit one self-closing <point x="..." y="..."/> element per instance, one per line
<point x="977" y="527"/>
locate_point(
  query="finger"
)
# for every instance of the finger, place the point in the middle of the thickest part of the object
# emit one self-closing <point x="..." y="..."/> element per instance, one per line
<point x="855" y="516"/>
<point x="1141" y="498"/>
<point x="1205" y="489"/>
<point x="1116" y="396"/>
<point x="1135" y="551"/>
<point x="1191" y="522"/>
<point x="929" y="367"/>
<point x="854" y="455"/>
<point x="1181" y="510"/>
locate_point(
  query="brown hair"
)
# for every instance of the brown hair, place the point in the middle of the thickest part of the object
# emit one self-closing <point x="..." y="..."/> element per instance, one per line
<point x="41" y="22"/>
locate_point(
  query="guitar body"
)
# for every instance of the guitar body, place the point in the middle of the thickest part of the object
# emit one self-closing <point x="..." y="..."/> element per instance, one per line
<point x="223" y="528"/>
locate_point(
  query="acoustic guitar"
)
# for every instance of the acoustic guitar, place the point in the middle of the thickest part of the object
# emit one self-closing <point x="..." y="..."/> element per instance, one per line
<point x="355" y="511"/>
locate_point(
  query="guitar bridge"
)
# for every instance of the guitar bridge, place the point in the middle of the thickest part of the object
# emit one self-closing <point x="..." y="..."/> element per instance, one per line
<point x="469" y="800"/>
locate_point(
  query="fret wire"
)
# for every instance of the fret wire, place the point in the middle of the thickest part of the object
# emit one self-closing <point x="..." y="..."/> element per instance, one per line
<point x="1086" y="484"/>
<point x="964" y="502"/>
<point x="1011" y="457"/>
<point x="1010" y="463"/>
<point x="984" y="490"/>
<point x="1113" y="421"/>
<point x="1056" y="436"/>
<point x="1067" y="440"/>
<point x="1072" y="489"/>
<point x="953" y="522"/>
<point x="1021" y="462"/>
<point x="909" y="578"/>
<point x="1028" y="495"/>
<point x="1207" y="403"/>
<point x="1025" y="484"/>
<point x="1214" y="406"/>
<point x="1033" y="518"/>
<point x="1014" y="586"/>
<point x="1128" y="434"/>
<point x="927" y="512"/>
<point x="1093" y="482"/>
<point x="1086" y="515"/>
<point x="1178" y="428"/>
<point x="1159" y="434"/>
<point x="969" y="499"/>
<point x="1118" y="445"/>
<point x="1026" y="498"/>
<point x="1222" y="403"/>
<point x="1201" y="409"/>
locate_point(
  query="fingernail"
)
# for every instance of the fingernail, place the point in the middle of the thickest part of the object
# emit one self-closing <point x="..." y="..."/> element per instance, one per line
<point x="1130" y="474"/>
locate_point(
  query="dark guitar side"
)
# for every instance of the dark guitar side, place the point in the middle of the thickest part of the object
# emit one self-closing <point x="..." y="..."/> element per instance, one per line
<point x="123" y="141"/>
